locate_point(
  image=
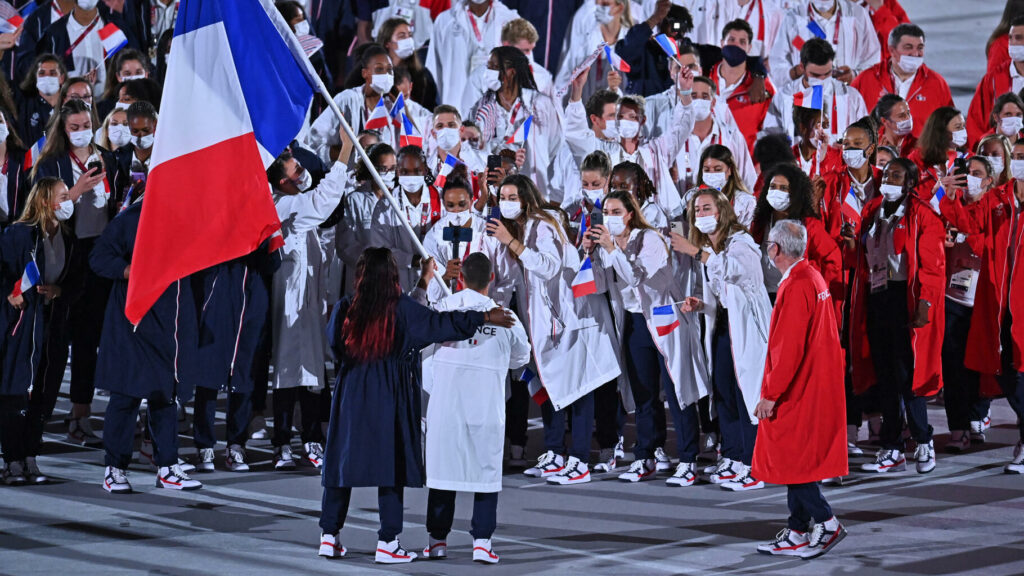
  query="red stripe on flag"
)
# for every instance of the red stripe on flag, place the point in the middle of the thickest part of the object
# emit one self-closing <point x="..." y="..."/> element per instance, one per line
<point x="662" y="330"/>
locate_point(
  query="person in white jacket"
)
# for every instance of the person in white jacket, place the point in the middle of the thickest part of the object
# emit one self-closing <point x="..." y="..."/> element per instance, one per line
<point x="613" y="18"/>
<point x="707" y="130"/>
<point x="846" y="25"/>
<point x="298" y="298"/>
<point x="522" y="35"/>
<point x="662" y="347"/>
<point x="465" y="435"/>
<point x="764" y="16"/>
<point x="417" y="16"/>
<point x="738" y="311"/>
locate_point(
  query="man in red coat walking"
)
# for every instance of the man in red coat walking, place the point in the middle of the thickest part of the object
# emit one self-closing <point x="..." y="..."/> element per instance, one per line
<point x="802" y="411"/>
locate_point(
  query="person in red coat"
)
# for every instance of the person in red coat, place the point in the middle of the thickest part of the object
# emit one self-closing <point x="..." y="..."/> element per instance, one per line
<point x="885" y="15"/>
<point x="944" y="138"/>
<point x="905" y="73"/>
<point x="997" y="48"/>
<point x="734" y="81"/>
<point x="895" y="124"/>
<point x="802" y="406"/>
<point x="1007" y="76"/>
<point x="898" y="313"/>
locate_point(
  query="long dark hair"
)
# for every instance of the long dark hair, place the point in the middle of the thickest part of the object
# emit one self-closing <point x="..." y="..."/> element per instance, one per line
<point x="645" y="189"/>
<point x="724" y="155"/>
<point x="637" y="220"/>
<point x="801" y="197"/>
<point x="376" y="152"/>
<point x="57" y="141"/>
<point x="412" y="150"/>
<point x="533" y="206"/>
<point x="935" y="137"/>
<point x="512" y="58"/>
<point x="369" y="329"/>
<point x="1011" y="11"/>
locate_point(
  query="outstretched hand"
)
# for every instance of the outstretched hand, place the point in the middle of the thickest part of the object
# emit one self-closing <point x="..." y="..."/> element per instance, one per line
<point x="499" y="316"/>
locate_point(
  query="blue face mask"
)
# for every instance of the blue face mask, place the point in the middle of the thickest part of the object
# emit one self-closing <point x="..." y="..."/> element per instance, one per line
<point x="733" y="55"/>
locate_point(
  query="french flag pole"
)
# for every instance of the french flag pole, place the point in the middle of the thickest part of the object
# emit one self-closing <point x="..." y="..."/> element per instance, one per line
<point x="300" y="56"/>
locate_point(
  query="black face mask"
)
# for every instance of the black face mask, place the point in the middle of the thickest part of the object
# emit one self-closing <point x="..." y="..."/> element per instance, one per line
<point x="733" y="55"/>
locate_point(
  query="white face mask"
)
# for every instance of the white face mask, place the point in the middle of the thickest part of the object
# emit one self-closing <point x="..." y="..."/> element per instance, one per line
<point x="904" y="127"/>
<point x="135" y="77"/>
<point x="891" y="192"/>
<point x="87" y="4"/>
<point x="492" y="80"/>
<point x="603" y="14"/>
<point x="47" y="85"/>
<point x="448" y="138"/>
<point x="145" y="142"/>
<point x="455" y="219"/>
<point x="64" y="210"/>
<point x="510" y="209"/>
<point x="910" y="64"/>
<point x="1017" y="53"/>
<point x="405" y="47"/>
<point x="302" y="28"/>
<point x="628" y="129"/>
<point x="701" y="109"/>
<point x="389" y="179"/>
<point x="778" y="199"/>
<point x="960" y="137"/>
<point x="80" y="138"/>
<point x="119" y="135"/>
<point x="4" y="132"/>
<point x="382" y="83"/>
<point x="593" y="196"/>
<point x="716" y="180"/>
<point x="305" y="181"/>
<point x="996" y="162"/>
<point x="615" y="225"/>
<point x="823" y="5"/>
<point x="1017" y="169"/>
<point x="411" y="183"/>
<point x="854" y="158"/>
<point x="974" y="186"/>
<point x="1011" y="125"/>
<point x="610" y="132"/>
<point x="706" y="224"/>
<point x="815" y="81"/>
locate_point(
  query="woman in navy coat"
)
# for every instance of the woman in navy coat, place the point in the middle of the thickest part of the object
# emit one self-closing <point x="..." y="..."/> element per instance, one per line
<point x="35" y="342"/>
<point x="14" y="183"/>
<point x="155" y="360"/>
<point x="373" y="438"/>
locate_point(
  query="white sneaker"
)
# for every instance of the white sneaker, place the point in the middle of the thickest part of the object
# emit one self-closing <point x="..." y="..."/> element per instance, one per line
<point x="1016" y="466"/>
<point x="234" y="458"/>
<point x="743" y="483"/>
<point x="330" y="547"/>
<point x="283" y="458"/>
<point x="315" y="454"/>
<point x="258" y="428"/>
<point x="115" y="481"/>
<point x="14" y="474"/>
<point x="959" y="441"/>
<point x="608" y="461"/>
<point x="978" y="428"/>
<point x="639" y="470"/>
<point x="548" y="464"/>
<point x="833" y="481"/>
<point x="824" y="537"/>
<point x="685" y="475"/>
<point x="786" y="543"/>
<point x="925" y="456"/>
<point x="186" y="467"/>
<point x="32" y="473"/>
<point x="174" y="478"/>
<point x="886" y="461"/>
<point x="393" y="553"/>
<point x="516" y="456"/>
<point x="662" y="461"/>
<point x="620" y="450"/>
<point x="436" y="549"/>
<point x="80" y="432"/>
<point x="204" y="461"/>
<point x="574" y="472"/>
<point x="851" y="441"/>
<point x="727" y="471"/>
<point x="484" y="552"/>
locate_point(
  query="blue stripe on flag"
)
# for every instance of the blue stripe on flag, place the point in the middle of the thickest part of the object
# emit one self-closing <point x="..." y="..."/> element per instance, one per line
<point x="817" y="97"/>
<point x="195" y="14"/>
<point x="527" y="375"/>
<point x="664" y="310"/>
<point x="586" y="264"/>
<point x="32" y="272"/>
<point x="816" y="30"/>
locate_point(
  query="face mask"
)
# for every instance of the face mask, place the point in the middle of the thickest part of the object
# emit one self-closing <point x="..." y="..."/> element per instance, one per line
<point x="87" y="4"/>
<point x="593" y="196"/>
<point x="733" y="55"/>
<point x="854" y="158"/>
<point x="628" y="129"/>
<point x="302" y="28"/>
<point x="145" y="142"/>
<point x="119" y="135"/>
<point x="615" y="225"/>
<point x="479" y="2"/>
<point x="135" y="77"/>
<point x="305" y="181"/>
<point x="510" y="209"/>
<point x="80" y="138"/>
<point x="382" y="83"/>
<point x="603" y="14"/>
<point x="4" y="132"/>
<point x="448" y="138"/>
<point x="64" y="210"/>
<point x="716" y="180"/>
<point x="1017" y="169"/>
<point x="610" y="132"/>
<point x="891" y="192"/>
<point x="960" y="137"/>
<point x="405" y="47"/>
<point x="904" y="127"/>
<point x="411" y="183"/>
<point x="1017" y="53"/>
<point x="492" y="80"/>
<point x="455" y="219"/>
<point x="701" y="109"/>
<point x="706" y="224"/>
<point x="974" y="186"/>
<point x="121" y="106"/>
<point x="389" y="179"/>
<point x="910" y="64"/>
<point x="823" y="5"/>
<point x="778" y="199"/>
<point x="815" y="81"/>
<point x="1011" y="126"/>
<point x="47" y="85"/>
<point x="996" y="162"/>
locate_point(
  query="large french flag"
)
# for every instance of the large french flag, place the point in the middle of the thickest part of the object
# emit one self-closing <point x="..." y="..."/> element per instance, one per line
<point x="207" y="197"/>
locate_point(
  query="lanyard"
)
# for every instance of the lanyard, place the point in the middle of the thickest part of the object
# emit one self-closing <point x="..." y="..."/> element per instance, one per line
<point x="839" y="15"/>
<point x="82" y="37"/>
<point x="760" y="18"/>
<point x="514" y="112"/>
<point x="814" y="161"/>
<point x="85" y="170"/>
<point x="476" y="30"/>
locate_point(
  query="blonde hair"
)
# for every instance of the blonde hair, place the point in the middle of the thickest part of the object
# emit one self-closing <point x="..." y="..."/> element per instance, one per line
<point x="1004" y="176"/>
<point x="102" y="137"/>
<point x="39" y="205"/>
<point x="727" y="221"/>
<point x="519" y="29"/>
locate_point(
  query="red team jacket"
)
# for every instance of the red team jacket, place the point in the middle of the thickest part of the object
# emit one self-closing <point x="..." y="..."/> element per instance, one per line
<point x="928" y="91"/>
<point x="995" y="83"/>
<point x="749" y="116"/>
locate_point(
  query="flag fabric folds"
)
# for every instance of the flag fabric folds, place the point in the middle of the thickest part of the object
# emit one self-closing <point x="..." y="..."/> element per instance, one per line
<point x="534" y="386"/>
<point x="29" y="278"/>
<point x="665" y="320"/>
<point x="812" y="98"/>
<point x="379" y="117"/>
<point x="584" y="284"/>
<point x="521" y="133"/>
<point x="113" y="39"/>
<point x="615" y="60"/>
<point x="442" y="175"/>
<point x="409" y="135"/>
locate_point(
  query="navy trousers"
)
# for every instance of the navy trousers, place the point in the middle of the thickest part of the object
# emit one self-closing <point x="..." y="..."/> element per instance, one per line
<point x="1011" y="381"/>
<point x="960" y="385"/>
<point x="334" y="511"/>
<point x="284" y="410"/>
<point x="239" y="412"/>
<point x="441" y="514"/>
<point x="582" y="425"/>
<point x="13" y="410"/>
<point x="806" y="503"/>
<point x="738" y="433"/>
<point x="119" y="430"/>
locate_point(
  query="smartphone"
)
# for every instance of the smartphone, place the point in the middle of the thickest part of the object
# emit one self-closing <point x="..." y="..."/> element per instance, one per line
<point x="495" y="215"/>
<point x="95" y="165"/>
<point x="493" y="161"/>
<point x="596" y="219"/>
<point x="960" y="167"/>
<point x="677" y="228"/>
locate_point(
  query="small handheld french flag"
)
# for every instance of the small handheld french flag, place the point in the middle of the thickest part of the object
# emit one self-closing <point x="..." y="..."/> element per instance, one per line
<point x="668" y="45"/>
<point x="28" y="279"/>
<point x="113" y="39"/>
<point x="583" y="284"/>
<point x="10" y="19"/>
<point x="409" y="135"/>
<point x="615" y="60"/>
<point x="33" y="153"/>
<point x="442" y="175"/>
<point x="664" y="318"/>
<point x="937" y="198"/>
<point x="849" y="207"/>
<point x="533" y="385"/>
<point x="378" y="118"/>
<point x="812" y="98"/>
<point x="521" y="133"/>
<point x="802" y="37"/>
<point x="398" y="110"/>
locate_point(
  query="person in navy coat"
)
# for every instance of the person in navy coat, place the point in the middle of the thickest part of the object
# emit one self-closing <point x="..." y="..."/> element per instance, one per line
<point x="14" y="183"/>
<point x="34" y="321"/>
<point x="57" y="39"/>
<point x="153" y="361"/>
<point x="373" y="437"/>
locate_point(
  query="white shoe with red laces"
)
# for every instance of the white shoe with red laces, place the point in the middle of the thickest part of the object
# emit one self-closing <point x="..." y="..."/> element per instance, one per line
<point x="314" y="454"/>
<point x="886" y="461"/>
<point x="484" y="552"/>
<point x="436" y="549"/>
<point x="824" y="537"/>
<point x="639" y="470"/>
<point x="574" y="472"/>
<point x="393" y="553"/>
<point x="786" y="543"/>
<point x="548" y="464"/>
<point x="743" y="483"/>
<point x="330" y="547"/>
<point x="174" y="478"/>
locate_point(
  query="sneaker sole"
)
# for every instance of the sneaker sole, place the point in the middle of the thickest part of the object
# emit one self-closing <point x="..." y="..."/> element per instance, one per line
<point x="330" y="553"/>
<point x="920" y="471"/>
<point x="775" y="552"/>
<point x="743" y="488"/>
<point x="680" y="484"/>
<point x="116" y="490"/>
<point x="561" y="481"/>
<point x="484" y="556"/>
<point x="822" y="551"/>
